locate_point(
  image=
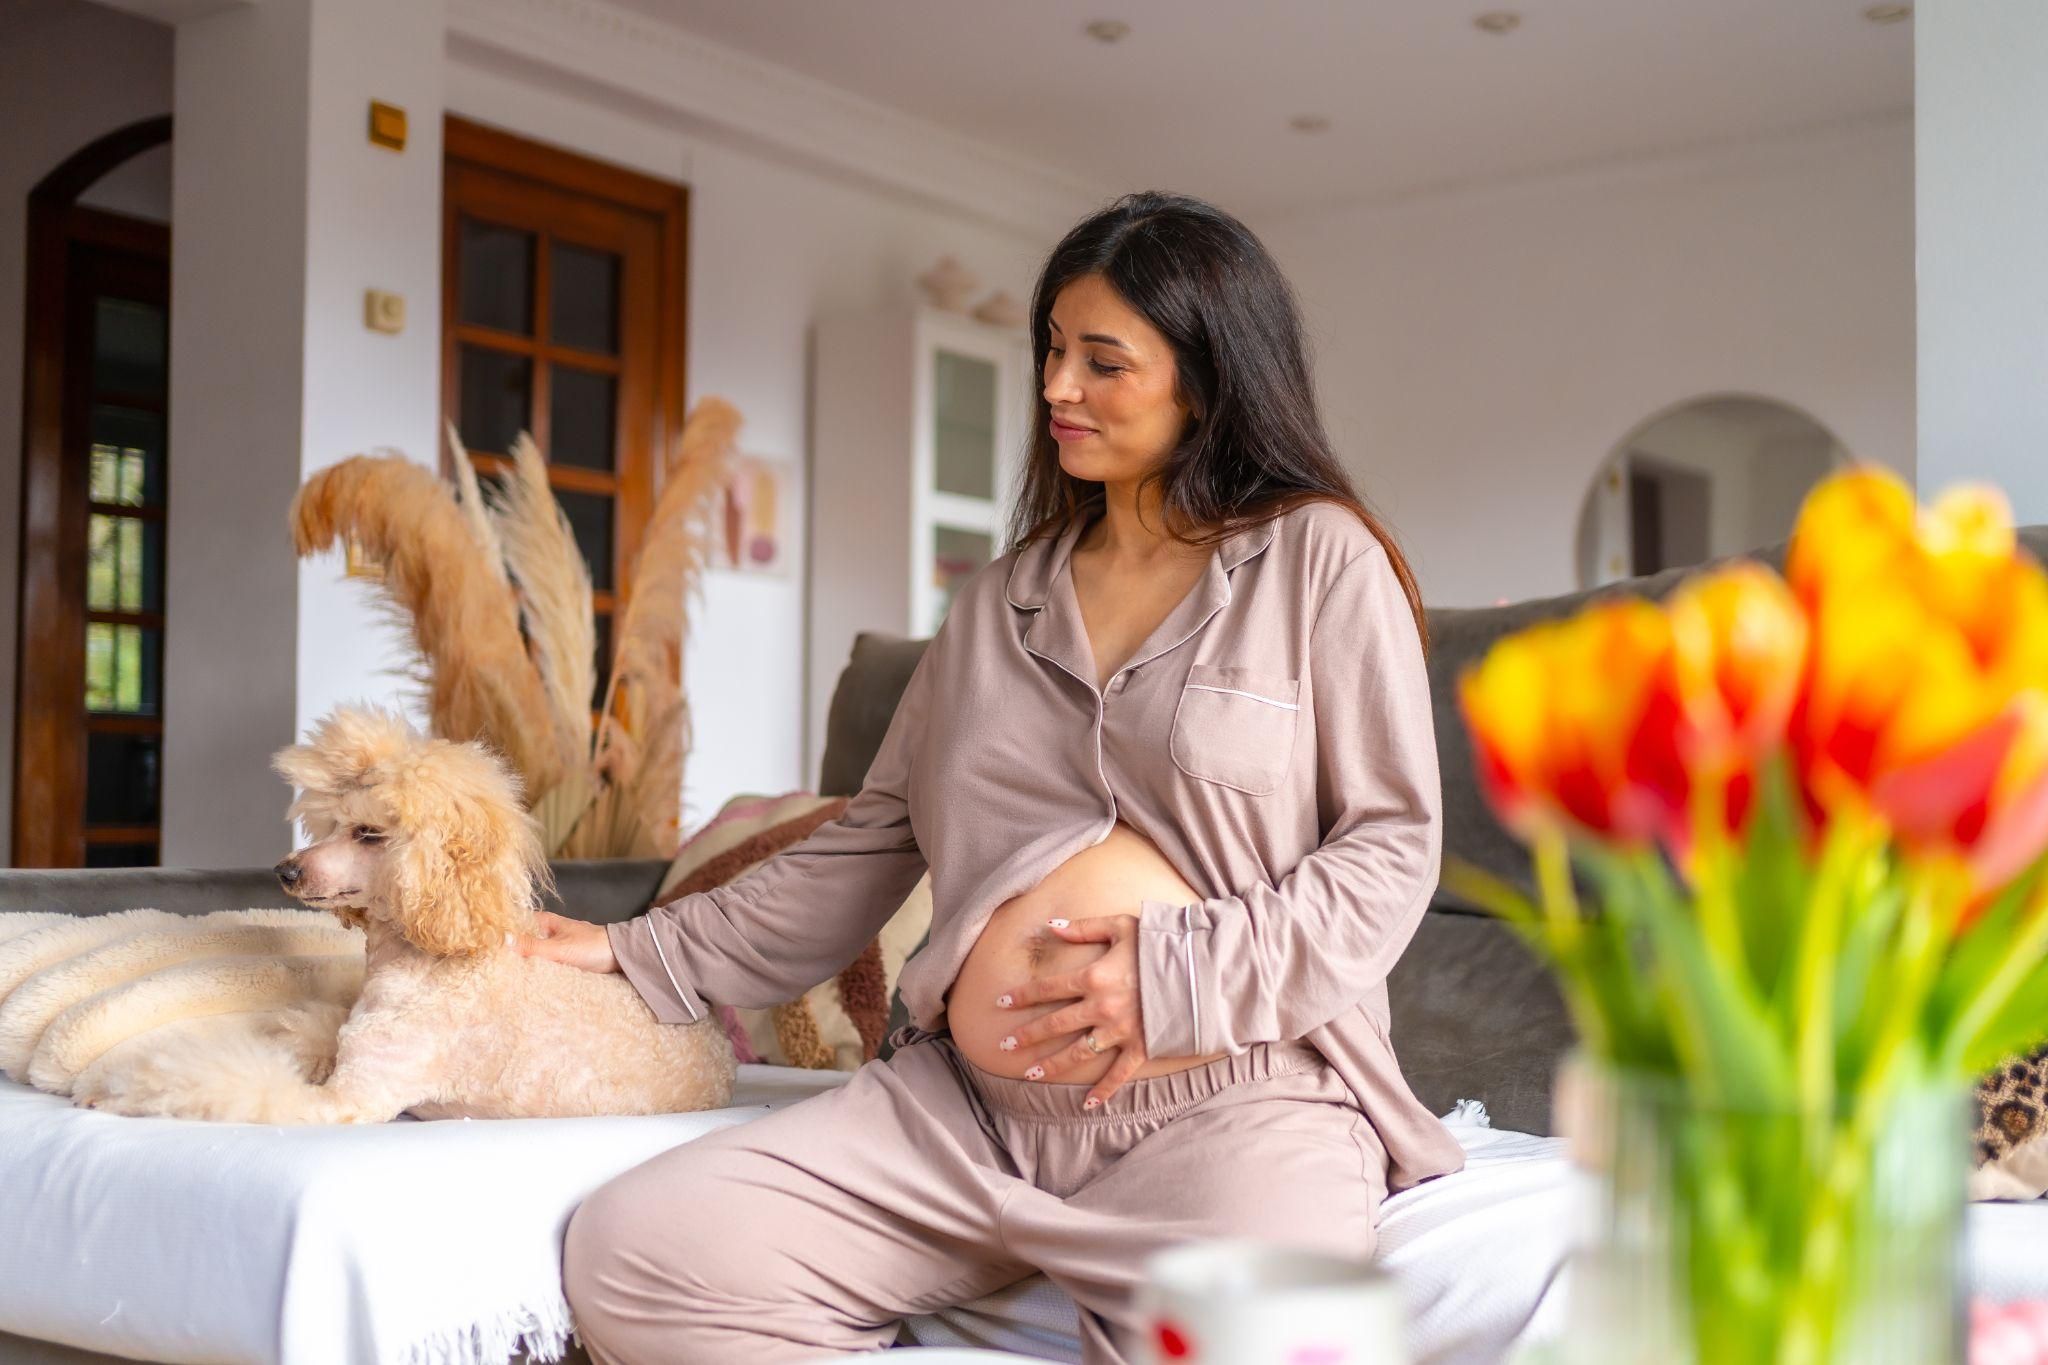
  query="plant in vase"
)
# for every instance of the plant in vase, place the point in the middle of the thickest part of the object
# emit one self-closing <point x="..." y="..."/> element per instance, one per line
<point x="495" y="600"/>
<point x="1787" y="836"/>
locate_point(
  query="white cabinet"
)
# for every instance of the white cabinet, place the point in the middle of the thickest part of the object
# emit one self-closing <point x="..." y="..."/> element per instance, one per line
<point x="917" y="438"/>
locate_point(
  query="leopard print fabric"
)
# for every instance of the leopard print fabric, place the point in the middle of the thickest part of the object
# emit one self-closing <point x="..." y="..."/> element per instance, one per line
<point x="2012" y="1106"/>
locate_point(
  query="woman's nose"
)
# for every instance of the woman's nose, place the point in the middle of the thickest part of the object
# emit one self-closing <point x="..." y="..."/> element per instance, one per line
<point x="1060" y="386"/>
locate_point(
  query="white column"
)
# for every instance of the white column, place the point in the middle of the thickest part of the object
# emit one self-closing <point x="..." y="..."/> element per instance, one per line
<point x="1981" y="191"/>
<point x="284" y="215"/>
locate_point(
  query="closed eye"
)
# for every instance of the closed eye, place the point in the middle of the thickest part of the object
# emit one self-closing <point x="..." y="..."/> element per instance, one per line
<point x="365" y="834"/>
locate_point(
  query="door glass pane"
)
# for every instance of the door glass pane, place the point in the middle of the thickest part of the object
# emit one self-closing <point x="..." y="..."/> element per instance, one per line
<point x="956" y="554"/>
<point x="582" y="417"/>
<point x="583" y="298"/>
<point x="124" y="564"/>
<point x="121" y="779"/>
<point x="127" y="456"/>
<point x="122" y="668"/>
<point x="129" y="346"/>
<point x="964" y="424"/>
<point x="604" y="658"/>
<point x="496" y="266"/>
<point x="121" y="855"/>
<point x="590" y="517"/>
<point x="497" y="398"/>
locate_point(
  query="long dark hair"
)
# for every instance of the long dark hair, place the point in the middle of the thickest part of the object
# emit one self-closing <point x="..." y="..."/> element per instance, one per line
<point x="1254" y="445"/>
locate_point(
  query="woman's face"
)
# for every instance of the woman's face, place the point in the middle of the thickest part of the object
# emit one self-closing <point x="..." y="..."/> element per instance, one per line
<point x="1110" y="382"/>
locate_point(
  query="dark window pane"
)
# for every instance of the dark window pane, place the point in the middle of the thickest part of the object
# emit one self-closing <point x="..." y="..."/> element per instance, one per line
<point x="604" y="658"/>
<point x="590" y="517"/>
<point x="127" y="456"/>
<point x="128" y="346"/>
<point x="497" y="276"/>
<point x="121" y="775"/>
<point x="497" y="398"/>
<point x="122" y="669"/>
<point x="581" y="413"/>
<point x="120" y="855"/>
<point x="583" y="299"/>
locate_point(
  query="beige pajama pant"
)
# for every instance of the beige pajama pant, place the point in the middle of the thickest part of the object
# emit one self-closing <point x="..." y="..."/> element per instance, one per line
<point x="925" y="1182"/>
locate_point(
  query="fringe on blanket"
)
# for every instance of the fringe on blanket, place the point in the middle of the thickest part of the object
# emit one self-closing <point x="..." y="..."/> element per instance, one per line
<point x="1470" y="1114"/>
<point x="542" y="1333"/>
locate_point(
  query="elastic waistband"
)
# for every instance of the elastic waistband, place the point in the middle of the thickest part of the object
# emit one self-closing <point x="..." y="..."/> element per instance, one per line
<point x="1152" y="1096"/>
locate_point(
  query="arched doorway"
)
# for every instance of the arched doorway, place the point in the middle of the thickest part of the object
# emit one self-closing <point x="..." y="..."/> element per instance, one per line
<point x="89" y="704"/>
<point x="1706" y="478"/>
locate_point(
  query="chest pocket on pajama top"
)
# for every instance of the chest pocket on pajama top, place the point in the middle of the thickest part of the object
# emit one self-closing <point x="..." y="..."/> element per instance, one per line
<point x="1235" y="727"/>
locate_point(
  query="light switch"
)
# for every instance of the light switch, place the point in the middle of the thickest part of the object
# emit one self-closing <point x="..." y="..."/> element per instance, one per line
<point x="383" y="312"/>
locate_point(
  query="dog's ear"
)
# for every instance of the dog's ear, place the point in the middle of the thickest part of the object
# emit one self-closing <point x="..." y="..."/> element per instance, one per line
<point x="466" y="855"/>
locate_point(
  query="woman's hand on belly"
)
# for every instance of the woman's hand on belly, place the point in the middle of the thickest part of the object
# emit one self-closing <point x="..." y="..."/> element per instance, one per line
<point x="1099" y="1001"/>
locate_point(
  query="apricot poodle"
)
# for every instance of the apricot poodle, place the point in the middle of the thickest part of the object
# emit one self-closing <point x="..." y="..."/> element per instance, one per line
<point x="425" y="844"/>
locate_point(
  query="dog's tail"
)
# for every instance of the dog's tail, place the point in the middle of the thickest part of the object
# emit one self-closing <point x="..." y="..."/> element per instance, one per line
<point x="238" y="1068"/>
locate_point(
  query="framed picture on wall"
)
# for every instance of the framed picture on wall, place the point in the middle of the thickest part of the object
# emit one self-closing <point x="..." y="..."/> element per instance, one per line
<point x="754" y="520"/>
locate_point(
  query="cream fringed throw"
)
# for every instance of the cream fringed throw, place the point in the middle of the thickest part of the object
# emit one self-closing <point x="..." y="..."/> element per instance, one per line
<point x="84" y="999"/>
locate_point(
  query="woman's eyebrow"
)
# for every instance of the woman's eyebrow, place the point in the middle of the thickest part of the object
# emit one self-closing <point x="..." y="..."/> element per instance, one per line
<point x="1103" y="337"/>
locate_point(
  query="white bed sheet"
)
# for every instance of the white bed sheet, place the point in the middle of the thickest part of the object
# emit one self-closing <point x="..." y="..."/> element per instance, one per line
<point x="409" y="1242"/>
<point x="440" y="1243"/>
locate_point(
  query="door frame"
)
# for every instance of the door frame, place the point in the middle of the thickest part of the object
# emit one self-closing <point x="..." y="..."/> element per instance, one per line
<point x="49" y="734"/>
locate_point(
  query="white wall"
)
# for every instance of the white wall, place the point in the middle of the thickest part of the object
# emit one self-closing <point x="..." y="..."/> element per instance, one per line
<point x="285" y="215"/>
<point x="771" y="247"/>
<point x="48" y="112"/>
<point x="1983" y="220"/>
<point x="1480" y="354"/>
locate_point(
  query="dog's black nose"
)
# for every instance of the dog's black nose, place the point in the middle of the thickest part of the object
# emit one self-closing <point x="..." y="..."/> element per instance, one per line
<point x="287" y="873"/>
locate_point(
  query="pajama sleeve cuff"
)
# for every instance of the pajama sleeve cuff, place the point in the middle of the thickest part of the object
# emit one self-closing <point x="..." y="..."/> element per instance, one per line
<point x="1169" y="984"/>
<point x="637" y="945"/>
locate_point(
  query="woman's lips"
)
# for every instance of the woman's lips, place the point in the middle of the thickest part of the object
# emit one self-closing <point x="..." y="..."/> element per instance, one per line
<point x="1066" y="431"/>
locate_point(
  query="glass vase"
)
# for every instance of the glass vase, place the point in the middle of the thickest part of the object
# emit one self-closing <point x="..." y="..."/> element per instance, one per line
<point x="1712" y="1235"/>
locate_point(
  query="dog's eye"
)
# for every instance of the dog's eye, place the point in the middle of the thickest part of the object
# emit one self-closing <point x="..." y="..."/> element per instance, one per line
<point x="363" y="834"/>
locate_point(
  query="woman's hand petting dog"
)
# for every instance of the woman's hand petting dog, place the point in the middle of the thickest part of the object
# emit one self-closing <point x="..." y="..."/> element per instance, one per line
<point x="575" y="942"/>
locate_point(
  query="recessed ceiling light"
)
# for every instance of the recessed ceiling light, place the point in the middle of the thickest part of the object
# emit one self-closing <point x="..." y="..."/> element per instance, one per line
<point x="1887" y="14"/>
<point x="1107" y="30"/>
<point x="1309" y="123"/>
<point x="1498" y="21"/>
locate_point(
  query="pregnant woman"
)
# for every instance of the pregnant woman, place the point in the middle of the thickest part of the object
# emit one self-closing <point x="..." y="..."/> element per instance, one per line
<point x="1171" y="766"/>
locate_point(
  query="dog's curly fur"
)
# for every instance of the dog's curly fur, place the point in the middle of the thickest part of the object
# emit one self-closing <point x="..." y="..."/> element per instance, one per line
<point x="424" y="843"/>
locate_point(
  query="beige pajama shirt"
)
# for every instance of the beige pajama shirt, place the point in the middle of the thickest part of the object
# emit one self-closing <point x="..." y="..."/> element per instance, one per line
<point x="1273" y="737"/>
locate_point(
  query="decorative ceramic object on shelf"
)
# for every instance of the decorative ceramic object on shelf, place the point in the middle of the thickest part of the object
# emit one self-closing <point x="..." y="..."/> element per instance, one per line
<point x="1000" y="309"/>
<point x="948" y="284"/>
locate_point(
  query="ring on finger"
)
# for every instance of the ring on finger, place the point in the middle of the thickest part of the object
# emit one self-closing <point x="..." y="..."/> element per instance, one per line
<point x="1094" y="1045"/>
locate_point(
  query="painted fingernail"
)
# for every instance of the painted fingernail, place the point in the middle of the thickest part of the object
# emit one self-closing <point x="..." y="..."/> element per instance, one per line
<point x="1057" y="923"/>
<point x="1008" y="1044"/>
<point x="1035" y="1073"/>
<point x="1091" y="1102"/>
<point x="1003" y="1002"/>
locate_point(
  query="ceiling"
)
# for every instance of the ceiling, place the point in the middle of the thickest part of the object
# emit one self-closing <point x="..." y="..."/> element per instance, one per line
<point x="1198" y="96"/>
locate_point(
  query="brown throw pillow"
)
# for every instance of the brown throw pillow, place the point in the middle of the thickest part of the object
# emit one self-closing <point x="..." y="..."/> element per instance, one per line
<point x="839" y="1023"/>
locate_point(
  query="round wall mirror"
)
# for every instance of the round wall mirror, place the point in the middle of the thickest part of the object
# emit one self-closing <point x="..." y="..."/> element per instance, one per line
<point x="1712" y="477"/>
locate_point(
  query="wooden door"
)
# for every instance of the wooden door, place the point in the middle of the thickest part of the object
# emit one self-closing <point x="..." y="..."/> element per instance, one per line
<point x="562" y="308"/>
<point x="88" y="774"/>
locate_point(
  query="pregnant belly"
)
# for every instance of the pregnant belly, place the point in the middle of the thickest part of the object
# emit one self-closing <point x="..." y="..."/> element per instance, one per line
<point x="1110" y="878"/>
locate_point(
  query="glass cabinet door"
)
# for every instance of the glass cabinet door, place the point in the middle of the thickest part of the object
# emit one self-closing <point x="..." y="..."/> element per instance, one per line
<point x="964" y="424"/>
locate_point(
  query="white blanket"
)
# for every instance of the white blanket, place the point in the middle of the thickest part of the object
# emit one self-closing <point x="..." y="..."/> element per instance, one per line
<point x="440" y="1243"/>
<point x="407" y="1242"/>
